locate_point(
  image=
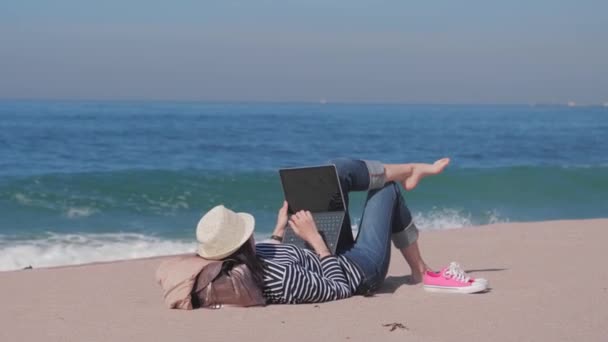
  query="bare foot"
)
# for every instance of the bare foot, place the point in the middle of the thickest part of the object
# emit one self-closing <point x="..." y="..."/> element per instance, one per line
<point x="420" y="171"/>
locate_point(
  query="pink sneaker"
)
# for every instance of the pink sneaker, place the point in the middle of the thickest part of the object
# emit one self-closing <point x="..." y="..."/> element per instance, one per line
<point x="452" y="279"/>
<point x="456" y="268"/>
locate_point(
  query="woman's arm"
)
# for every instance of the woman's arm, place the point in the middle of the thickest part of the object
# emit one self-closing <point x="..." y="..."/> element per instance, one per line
<point x="279" y="229"/>
<point x="305" y="286"/>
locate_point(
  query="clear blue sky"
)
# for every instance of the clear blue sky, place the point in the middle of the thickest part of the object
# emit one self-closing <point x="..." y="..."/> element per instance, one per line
<point x="343" y="50"/>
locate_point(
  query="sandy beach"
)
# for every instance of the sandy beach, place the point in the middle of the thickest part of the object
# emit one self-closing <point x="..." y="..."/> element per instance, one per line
<point x="549" y="283"/>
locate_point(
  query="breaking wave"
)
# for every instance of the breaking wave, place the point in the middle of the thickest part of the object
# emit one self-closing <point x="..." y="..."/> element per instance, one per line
<point x="54" y="249"/>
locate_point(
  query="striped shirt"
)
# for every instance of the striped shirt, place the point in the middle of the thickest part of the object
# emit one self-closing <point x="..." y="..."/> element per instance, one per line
<point x="294" y="275"/>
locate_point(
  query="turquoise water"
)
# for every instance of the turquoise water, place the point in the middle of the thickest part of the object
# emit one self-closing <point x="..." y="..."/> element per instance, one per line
<point x="86" y="181"/>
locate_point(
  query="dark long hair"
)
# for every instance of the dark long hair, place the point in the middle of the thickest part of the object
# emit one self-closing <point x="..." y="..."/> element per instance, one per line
<point x="246" y="255"/>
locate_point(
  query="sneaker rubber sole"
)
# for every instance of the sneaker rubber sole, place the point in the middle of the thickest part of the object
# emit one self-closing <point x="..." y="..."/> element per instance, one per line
<point x="473" y="288"/>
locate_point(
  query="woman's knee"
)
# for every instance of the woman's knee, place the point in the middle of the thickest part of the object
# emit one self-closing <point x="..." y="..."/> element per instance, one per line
<point x="344" y="165"/>
<point x="393" y="188"/>
<point x="353" y="174"/>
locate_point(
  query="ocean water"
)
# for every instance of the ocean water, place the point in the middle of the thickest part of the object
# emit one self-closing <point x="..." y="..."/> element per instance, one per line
<point x="94" y="181"/>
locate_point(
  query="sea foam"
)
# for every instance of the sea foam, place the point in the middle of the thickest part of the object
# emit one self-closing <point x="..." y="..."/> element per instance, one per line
<point x="447" y="218"/>
<point x="77" y="212"/>
<point x="71" y="249"/>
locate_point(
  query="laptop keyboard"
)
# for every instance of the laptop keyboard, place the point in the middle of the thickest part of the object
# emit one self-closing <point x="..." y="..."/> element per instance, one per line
<point x="329" y="226"/>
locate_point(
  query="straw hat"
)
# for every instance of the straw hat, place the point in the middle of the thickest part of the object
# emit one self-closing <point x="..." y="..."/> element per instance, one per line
<point x="221" y="231"/>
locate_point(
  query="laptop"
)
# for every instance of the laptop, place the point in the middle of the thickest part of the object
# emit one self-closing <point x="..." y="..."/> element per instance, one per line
<point x="317" y="189"/>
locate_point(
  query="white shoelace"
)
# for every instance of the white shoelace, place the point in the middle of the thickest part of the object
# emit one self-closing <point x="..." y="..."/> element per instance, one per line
<point x="456" y="272"/>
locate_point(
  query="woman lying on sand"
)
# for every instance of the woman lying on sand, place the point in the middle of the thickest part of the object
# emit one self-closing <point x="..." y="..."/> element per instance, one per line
<point x="289" y="274"/>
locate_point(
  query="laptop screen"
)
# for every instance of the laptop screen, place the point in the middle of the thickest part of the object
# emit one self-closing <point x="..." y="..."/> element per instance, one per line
<point x="315" y="189"/>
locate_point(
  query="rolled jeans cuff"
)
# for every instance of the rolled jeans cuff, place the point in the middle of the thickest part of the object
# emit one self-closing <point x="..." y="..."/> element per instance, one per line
<point x="377" y="177"/>
<point x="405" y="237"/>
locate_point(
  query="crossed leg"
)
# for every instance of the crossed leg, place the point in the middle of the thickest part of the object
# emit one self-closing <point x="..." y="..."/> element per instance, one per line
<point x="409" y="175"/>
<point x="385" y="212"/>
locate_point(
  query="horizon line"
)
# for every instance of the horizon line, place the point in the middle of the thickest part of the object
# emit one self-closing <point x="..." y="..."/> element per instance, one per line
<point x="320" y="102"/>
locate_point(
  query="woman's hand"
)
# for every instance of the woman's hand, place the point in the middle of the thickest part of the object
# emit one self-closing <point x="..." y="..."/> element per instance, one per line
<point x="305" y="227"/>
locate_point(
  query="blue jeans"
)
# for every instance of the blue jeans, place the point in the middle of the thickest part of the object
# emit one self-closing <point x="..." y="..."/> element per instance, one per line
<point x="385" y="216"/>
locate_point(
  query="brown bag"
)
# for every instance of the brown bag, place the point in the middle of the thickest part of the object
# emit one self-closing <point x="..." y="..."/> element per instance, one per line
<point x="214" y="287"/>
<point x="176" y="277"/>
